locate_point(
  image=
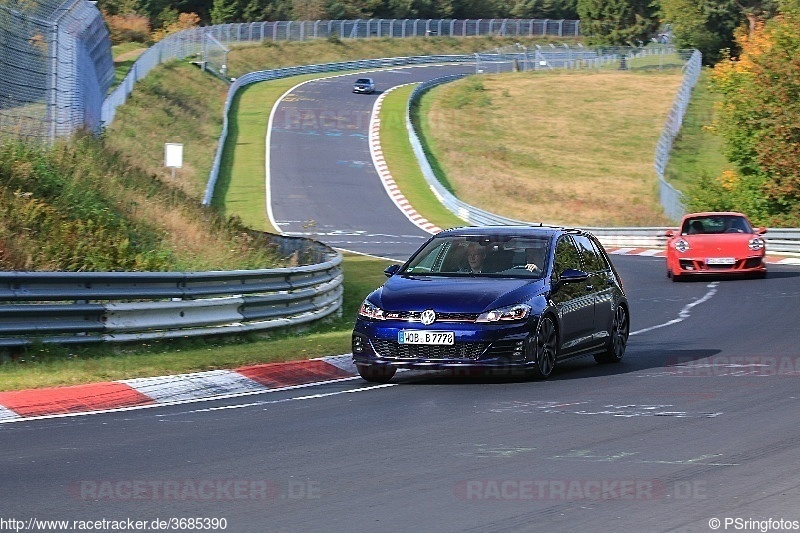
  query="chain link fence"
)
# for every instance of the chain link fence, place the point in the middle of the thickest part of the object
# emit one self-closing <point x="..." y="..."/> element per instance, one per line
<point x="55" y="68"/>
<point x="671" y="198"/>
<point x="519" y="58"/>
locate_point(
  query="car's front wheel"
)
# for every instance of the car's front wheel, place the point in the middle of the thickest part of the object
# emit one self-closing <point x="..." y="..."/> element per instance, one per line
<point x="620" y="329"/>
<point x="543" y="349"/>
<point x="376" y="373"/>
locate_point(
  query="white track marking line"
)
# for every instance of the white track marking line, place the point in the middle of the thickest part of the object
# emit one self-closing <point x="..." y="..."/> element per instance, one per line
<point x="284" y="400"/>
<point x="685" y="312"/>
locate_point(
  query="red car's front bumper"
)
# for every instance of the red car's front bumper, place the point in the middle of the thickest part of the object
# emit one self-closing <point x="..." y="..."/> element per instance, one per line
<point x="683" y="266"/>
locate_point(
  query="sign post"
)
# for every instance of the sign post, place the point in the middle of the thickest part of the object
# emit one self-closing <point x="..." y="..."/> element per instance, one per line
<point x="173" y="156"/>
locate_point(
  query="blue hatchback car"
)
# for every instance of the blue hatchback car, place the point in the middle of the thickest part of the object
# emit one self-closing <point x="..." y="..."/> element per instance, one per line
<point x="517" y="298"/>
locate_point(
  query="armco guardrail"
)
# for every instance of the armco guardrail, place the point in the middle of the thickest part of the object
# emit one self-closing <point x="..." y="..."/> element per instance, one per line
<point x="86" y="307"/>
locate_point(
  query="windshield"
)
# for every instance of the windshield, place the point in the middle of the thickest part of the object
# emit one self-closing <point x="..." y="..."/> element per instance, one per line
<point x="508" y="256"/>
<point x="364" y="80"/>
<point x="715" y="224"/>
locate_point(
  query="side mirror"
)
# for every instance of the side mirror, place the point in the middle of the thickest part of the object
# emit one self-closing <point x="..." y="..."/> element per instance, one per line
<point x="391" y="270"/>
<point x="761" y="231"/>
<point x="669" y="233"/>
<point x="571" y="275"/>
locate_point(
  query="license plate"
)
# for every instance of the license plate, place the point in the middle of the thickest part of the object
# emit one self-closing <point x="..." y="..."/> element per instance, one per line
<point x="440" y="338"/>
<point x="721" y="261"/>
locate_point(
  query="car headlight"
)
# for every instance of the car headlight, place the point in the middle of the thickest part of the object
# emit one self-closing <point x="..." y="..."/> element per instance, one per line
<point x="756" y="243"/>
<point x="370" y="310"/>
<point x="681" y="245"/>
<point x="512" y="312"/>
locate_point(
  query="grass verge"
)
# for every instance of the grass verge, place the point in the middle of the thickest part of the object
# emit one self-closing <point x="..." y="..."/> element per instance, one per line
<point x="697" y="150"/>
<point x="560" y="147"/>
<point x="403" y="164"/>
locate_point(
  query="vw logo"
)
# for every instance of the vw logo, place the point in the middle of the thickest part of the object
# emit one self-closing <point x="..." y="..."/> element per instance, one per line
<point x="428" y="317"/>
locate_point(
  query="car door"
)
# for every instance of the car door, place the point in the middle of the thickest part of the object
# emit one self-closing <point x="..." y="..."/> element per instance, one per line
<point x="600" y="284"/>
<point x="573" y="301"/>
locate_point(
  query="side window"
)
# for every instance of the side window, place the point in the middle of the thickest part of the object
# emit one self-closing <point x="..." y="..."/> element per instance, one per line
<point x="592" y="258"/>
<point x="567" y="256"/>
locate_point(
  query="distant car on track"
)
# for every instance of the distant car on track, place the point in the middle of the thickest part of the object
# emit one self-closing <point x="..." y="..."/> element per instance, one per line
<point x="715" y="243"/>
<point x="511" y="297"/>
<point x="364" y="85"/>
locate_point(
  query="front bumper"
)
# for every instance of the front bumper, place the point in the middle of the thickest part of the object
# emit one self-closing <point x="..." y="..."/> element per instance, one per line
<point x="744" y="265"/>
<point x="501" y="346"/>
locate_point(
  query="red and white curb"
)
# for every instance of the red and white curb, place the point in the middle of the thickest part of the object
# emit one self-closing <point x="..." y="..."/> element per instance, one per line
<point x="165" y="390"/>
<point x="376" y="151"/>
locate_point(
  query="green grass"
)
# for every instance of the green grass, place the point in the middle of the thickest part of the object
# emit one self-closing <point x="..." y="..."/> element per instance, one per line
<point x="561" y="147"/>
<point x="697" y="151"/>
<point x="403" y="165"/>
<point x="125" y="55"/>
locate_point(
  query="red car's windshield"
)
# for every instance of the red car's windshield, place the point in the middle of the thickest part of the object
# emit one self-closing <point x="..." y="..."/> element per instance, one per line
<point x="715" y="224"/>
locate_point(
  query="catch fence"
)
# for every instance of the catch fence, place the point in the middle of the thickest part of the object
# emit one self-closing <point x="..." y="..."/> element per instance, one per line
<point x="56" y="65"/>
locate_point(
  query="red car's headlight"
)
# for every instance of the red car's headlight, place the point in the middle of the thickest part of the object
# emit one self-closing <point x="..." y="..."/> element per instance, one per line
<point x="681" y="245"/>
<point x="756" y="243"/>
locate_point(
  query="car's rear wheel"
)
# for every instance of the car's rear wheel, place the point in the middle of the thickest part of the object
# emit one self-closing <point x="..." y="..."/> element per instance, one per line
<point x="543" y="349"/>
<point x="376" y="373"/>
<point x="620" y="329"/>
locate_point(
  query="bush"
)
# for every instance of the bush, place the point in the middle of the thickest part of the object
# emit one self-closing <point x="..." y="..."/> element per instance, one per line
<point x="128" y="28"/>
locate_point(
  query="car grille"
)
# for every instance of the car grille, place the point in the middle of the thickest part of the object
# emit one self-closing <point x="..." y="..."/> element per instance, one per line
<point x="465" y="350"/>
<point x="414" y="316"/>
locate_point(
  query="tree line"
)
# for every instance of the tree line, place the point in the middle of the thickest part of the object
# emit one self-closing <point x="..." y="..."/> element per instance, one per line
<point x="161" y="13"/>
<point x="707" y="25"/>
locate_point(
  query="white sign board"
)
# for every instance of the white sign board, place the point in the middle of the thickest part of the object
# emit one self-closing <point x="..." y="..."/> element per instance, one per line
<point x="173" y="155"/>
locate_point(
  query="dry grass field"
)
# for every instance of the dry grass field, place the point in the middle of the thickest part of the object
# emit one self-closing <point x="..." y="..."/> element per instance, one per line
<point x="572" y="148"/>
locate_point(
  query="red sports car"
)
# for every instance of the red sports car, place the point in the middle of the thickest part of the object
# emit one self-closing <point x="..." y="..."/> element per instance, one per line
<point x="715" y="243"/>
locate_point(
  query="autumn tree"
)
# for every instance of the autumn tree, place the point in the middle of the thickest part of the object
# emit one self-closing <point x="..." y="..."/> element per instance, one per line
<point x="759" y="119"/>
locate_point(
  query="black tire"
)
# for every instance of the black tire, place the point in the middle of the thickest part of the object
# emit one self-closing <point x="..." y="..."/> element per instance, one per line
<point x="620" y="329"/>
<point x="376" y="373"/>
<point x="543" y="349"/>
